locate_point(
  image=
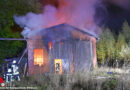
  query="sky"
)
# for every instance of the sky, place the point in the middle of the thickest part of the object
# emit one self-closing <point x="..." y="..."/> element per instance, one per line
<point x="115" y="13"/>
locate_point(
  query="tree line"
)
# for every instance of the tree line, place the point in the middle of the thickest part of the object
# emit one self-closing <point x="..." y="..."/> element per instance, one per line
<point x="9" y="29"/>
<point x="114" y="49"/>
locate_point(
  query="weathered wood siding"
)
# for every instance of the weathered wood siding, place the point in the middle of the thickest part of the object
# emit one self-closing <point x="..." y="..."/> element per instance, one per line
<point x="37" y="43"/>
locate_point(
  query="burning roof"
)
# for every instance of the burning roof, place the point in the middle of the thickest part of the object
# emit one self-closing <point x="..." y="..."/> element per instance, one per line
<point x="62" y="32"/>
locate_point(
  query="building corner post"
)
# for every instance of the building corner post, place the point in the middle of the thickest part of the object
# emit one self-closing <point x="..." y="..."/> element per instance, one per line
<point x="93" y="40"/>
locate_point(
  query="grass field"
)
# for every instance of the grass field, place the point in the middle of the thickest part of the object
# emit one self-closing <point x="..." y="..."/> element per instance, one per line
<point x="99" y="79"/>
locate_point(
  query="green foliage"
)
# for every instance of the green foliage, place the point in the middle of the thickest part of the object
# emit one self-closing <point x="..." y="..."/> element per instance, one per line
<point x="119" y="45"/>
<point x="101" y="52"/>
<point x="8" y="8"/>
<point x="109" y="44"/>
<point x="111" y="49"/>
<point x="125" y="53"/>
<point x="105" y="46"/>
<point x="126" y="31"/>
<point x="110" y="84"/>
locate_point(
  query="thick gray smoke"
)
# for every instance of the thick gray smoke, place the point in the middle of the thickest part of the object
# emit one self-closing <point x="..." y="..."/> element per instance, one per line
<point x="32" y="22"/>
<point x="79" y="13"/>
<point x="75" y="12"/>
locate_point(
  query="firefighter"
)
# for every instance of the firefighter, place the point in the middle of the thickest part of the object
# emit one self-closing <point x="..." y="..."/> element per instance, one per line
<point x="8" y="76"/>
<point x="15" y="71"/>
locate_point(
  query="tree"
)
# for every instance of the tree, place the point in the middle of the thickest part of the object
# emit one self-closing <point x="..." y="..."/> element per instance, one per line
<point x="126" y="31"/>
<point x="101" y="52"/>
<point x="125" y="55"/>
<point x="106" y="46"/>
<point x="119" y="44"/>
<point x="8" y="28"/>
<point x="109" y="44"/>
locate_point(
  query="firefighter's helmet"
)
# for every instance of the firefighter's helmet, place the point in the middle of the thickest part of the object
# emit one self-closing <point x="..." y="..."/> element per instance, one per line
<point x="9" y="70"/>
<point x="14" y="61"/>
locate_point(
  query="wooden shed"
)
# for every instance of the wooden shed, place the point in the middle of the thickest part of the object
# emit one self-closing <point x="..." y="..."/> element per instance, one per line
<point x="61" y="49"/>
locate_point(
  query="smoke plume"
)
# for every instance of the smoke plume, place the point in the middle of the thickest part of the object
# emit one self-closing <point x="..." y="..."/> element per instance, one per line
<point x="79" y="13"/>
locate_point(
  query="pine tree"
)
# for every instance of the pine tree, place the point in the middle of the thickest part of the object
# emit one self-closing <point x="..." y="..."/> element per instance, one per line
<point x="125" y="54"/>
<point x="119" y="44"/>
<point x="109" y="44"/>
<point x="106" y="46"/>
<point x="101" y="53"/>
<point x="126" y="31"/>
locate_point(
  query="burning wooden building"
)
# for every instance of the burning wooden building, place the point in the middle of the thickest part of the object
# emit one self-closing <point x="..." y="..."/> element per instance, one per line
<point x="61" y="49"/>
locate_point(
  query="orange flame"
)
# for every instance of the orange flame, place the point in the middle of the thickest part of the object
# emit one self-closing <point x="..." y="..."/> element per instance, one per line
<point x="38" y="57"/>
<point x="50" y="45"/>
